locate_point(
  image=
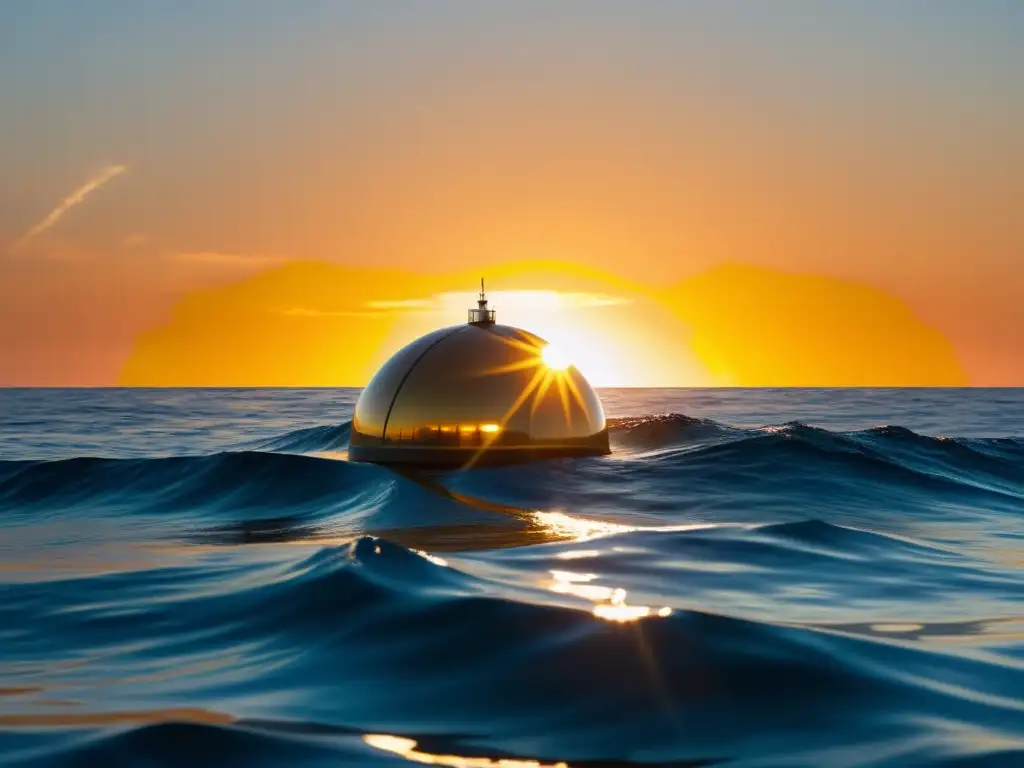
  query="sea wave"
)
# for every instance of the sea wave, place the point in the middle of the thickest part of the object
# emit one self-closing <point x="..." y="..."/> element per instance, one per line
<point x="321" y="439"/>
<point x="363" y="635"/>
<point x="708" y="594"/>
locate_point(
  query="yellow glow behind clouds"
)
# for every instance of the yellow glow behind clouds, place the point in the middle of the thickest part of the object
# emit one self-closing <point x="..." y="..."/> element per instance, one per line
<point x="322" y="324"/>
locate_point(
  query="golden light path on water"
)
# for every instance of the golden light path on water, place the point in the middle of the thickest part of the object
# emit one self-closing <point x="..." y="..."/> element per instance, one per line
<point x="577" y="528"/>
<point x="609" y="602"/>
<point x="407" y="749"/>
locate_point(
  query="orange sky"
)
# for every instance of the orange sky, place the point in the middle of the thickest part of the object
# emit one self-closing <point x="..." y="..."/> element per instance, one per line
<point x="757" y="198"/>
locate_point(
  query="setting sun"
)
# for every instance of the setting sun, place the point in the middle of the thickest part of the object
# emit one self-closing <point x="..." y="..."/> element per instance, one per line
<point x="602" y="328"/>
<point x="555" y="358"/>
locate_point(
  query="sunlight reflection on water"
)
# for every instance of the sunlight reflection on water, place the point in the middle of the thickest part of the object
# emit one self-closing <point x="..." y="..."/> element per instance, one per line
<point x="407" y="749"/>
<point x="610" y="602"/>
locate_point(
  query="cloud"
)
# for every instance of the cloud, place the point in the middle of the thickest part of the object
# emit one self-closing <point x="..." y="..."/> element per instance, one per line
<point x="581" y="300"/>
<point x="753" y="326"/>
<point x="72" y="200"/>
<point x="402" y="304"/>
<point x="550" y="301"/>
<point x="314" y="323"/>
<point x="311" y="312"/>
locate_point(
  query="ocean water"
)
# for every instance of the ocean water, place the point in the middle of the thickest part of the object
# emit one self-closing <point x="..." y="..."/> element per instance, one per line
<point x="753" y="577"/>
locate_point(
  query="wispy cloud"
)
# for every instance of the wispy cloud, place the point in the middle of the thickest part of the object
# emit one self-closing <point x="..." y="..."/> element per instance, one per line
<point x="440" y="304"/>
<point x="402" y="304"/>
<point x="581" y="300"/>
<point x="72" y="200"/>
<point x="310" y="312"/>
<point x="529" y="300"/>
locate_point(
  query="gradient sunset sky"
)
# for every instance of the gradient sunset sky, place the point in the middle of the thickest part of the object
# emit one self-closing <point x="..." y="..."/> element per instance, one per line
<point x="247" y="192"/>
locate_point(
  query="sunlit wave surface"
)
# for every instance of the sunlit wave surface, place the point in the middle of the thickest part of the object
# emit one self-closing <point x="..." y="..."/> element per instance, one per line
<point x="407" y="749"/>
<point x="769" y="577"/>
<point x="577" y="527"/>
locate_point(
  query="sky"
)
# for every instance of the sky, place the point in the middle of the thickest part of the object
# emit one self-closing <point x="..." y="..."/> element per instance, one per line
<point x="252" y="192"/>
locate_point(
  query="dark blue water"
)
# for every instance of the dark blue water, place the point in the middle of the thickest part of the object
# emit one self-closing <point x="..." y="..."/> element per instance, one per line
<point x="754" y="577"/>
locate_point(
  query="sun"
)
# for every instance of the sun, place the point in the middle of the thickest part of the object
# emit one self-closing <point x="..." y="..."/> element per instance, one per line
<point x="555" y="358"/>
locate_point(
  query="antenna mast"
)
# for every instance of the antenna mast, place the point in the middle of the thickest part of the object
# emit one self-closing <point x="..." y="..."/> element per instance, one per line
<point x="481" y="315"/>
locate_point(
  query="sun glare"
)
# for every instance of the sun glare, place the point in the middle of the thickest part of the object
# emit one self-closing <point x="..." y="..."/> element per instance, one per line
<point x="605" y="338"/>
<point x="555" y="358"/>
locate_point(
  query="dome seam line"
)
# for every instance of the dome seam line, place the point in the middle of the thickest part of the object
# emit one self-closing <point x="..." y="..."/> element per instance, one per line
<point x="408" y="373"/>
